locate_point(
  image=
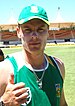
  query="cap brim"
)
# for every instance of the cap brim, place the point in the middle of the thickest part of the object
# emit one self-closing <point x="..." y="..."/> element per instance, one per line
<point x="33" y="17"/>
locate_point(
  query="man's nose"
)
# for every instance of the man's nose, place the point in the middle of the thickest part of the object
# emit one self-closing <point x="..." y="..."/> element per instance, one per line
<point x="35" y="34"/>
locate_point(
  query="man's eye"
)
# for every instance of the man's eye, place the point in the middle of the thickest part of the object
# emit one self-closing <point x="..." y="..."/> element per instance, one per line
<point x="27" y="30"/>
<point x="40" y="30"/>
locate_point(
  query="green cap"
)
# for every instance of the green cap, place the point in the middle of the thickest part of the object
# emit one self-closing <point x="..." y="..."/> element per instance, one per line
<point x="32" y="12"/>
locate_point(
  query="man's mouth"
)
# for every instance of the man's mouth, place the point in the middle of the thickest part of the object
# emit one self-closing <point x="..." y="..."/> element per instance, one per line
<point x="34" y="43"/>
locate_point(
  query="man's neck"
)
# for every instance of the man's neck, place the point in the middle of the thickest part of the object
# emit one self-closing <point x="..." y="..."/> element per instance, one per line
<point x="36" y="61"/>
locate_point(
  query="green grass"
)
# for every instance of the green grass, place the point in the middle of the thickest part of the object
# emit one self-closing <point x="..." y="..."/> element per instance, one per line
<point x="10" y="50"/>
<point x="67" y="54"/>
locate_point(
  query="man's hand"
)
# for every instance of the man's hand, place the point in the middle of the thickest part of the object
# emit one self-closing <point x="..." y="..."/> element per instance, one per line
<point x="15" y="94"/>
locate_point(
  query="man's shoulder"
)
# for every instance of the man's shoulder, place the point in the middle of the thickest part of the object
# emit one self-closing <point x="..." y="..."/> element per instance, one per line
<point x="5" y="66"/>
<point x="58" y="60"/>
<point x="14" y="54"/>
<point x="61" y="66"/>
<point x="59" y="63"/>
<point x="5" y="69"/>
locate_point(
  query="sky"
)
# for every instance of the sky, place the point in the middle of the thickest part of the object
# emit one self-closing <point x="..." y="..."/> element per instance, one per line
<point x="12" y="8"/>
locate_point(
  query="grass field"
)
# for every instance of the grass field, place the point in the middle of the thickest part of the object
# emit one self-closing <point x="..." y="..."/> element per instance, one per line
<point x="67" y="54"/>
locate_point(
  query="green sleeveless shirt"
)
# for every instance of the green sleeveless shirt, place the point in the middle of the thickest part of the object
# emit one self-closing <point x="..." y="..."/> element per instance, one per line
<point x="51" y="90"/>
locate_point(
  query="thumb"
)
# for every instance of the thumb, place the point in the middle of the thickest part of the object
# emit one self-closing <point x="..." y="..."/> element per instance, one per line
<point x="11" y="78"/>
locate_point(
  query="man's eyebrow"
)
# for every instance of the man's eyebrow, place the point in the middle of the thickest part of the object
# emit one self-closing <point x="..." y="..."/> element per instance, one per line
<point x="25" y="26"/>
<point x="42" y="25"/>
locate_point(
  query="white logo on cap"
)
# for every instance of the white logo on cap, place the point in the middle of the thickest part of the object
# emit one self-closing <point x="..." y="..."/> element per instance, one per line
<point x="34" y="9"/>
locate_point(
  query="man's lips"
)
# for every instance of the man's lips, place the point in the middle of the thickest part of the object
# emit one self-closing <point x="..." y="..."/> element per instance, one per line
<point x="34" y="43"/>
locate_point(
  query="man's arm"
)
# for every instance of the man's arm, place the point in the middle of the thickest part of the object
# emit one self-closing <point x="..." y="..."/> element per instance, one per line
<point x="62" y="100"/>
<point x="4" y="72"/>
<point x="62" y="71"/>
<point x="11" y="94"/>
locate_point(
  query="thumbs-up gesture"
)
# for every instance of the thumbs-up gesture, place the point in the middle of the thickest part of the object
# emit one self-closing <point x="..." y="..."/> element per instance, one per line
<point x="15" y="94"/>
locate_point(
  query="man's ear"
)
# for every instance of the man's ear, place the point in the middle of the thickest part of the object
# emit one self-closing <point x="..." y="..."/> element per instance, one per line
<point x="48" y="34"/>
<point x="18" y="32"/>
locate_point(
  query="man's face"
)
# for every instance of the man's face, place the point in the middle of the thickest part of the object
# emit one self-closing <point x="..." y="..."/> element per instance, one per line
<point x="34" y="34"/>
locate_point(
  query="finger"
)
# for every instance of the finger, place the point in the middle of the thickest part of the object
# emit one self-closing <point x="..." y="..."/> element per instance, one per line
<point x="23" y="102"/>
<point x="19" y="86"/>
<point x="22" y="96"/>
<point x="19" y="92"/>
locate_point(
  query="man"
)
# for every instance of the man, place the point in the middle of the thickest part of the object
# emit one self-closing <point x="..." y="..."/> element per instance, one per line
<point x="30" y="77"/>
